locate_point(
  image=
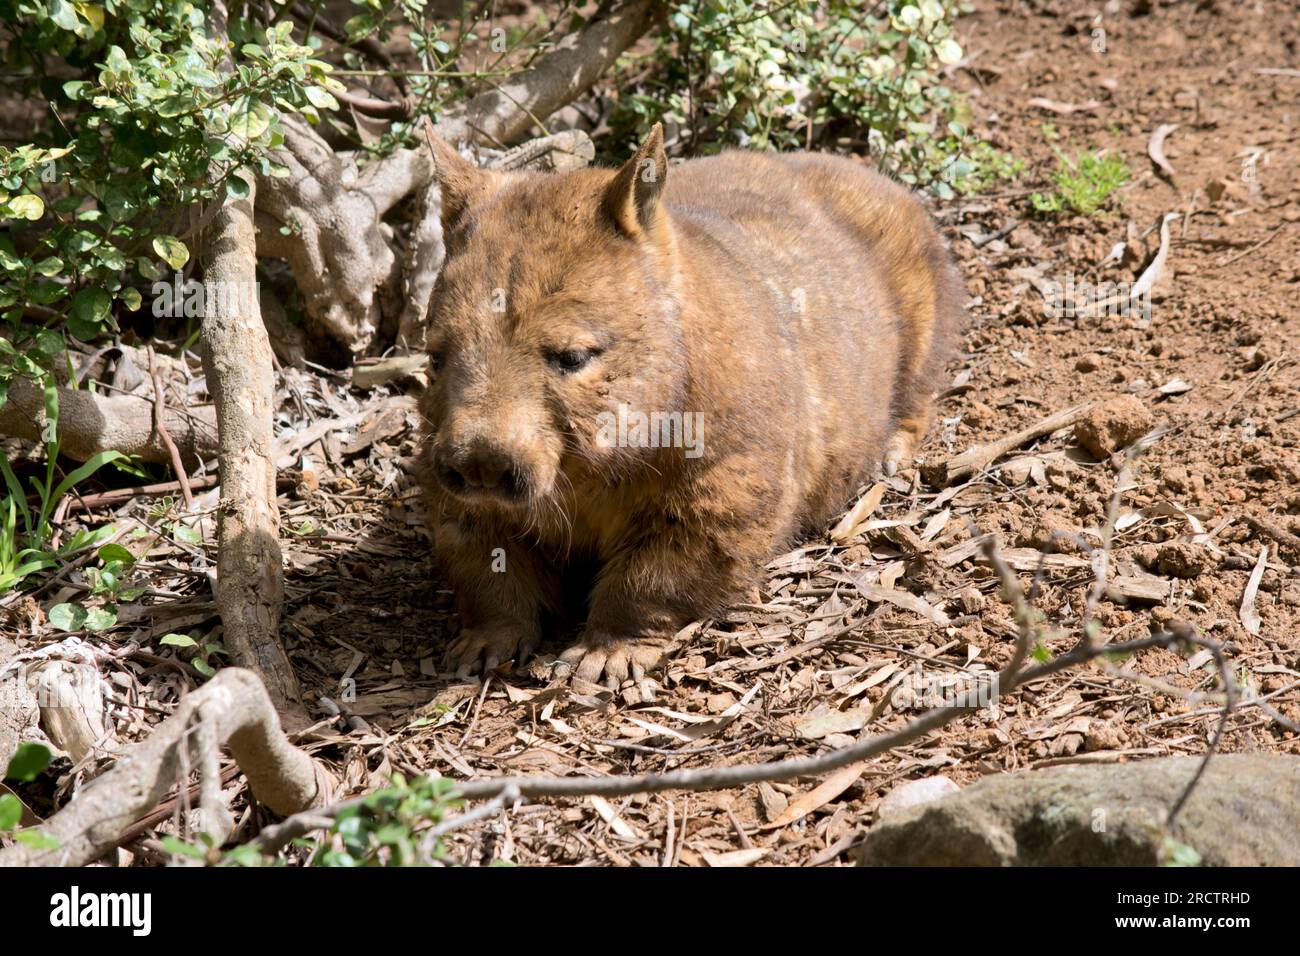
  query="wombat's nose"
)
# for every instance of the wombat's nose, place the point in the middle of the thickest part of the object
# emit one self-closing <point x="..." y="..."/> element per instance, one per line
<point x="479" y="467"/>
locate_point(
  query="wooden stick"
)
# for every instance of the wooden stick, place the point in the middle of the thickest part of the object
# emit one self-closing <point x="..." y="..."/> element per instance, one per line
<point x="974" y="460"/>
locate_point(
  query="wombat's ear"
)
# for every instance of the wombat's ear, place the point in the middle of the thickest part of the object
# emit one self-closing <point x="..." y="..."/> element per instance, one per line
<point x="633" y="197"/>
<point x="459" y="180"/>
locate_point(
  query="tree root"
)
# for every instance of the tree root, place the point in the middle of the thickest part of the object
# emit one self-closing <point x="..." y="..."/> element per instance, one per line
<point x="91" y="422"/>
<point x="231" y="709"/>
<point x="337" y="244"/>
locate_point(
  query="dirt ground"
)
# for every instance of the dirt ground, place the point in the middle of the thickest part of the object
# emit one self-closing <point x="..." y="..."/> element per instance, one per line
<point x="1212" y="372"/>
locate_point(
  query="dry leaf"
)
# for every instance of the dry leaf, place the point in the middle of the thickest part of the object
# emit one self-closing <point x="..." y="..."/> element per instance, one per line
<point x="1250" y="619"/>
<point x="848" y="525"/>
<point x="836" y="784"/>
<point x="611" y="817"/>
<point x="832" y="722"/>
<point x="904" y="599"/>
<point x="1156" y="148"/>
<point x="1063" y="109"/>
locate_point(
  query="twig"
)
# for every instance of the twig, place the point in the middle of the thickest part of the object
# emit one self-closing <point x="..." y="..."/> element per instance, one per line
<point x="1279" y="534"/>
<point x="118" y="495"/>
<point x="160" y="426"/>
<point x="976" y="459"/>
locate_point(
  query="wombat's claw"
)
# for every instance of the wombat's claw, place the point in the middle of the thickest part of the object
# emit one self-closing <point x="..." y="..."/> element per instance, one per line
<point x="616" y="659"/>
<point x="489" y="647"/>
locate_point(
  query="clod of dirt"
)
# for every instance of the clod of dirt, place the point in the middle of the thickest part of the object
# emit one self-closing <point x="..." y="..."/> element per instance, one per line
<point x="1178" y="559"/>
<point x="1113" y="425"/>
<point x="1050" y="532"/>
<point x="1088" y="363"/>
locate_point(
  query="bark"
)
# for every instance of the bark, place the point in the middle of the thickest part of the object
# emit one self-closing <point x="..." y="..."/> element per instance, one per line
<point x="231" y="709"/>
<point x="237" y="360"/>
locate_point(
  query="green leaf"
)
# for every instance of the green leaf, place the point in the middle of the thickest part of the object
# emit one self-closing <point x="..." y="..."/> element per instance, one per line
<point x="11" y="811"/>
<point x="179" y="848"/>
<point x="115" y="552"/>
<point x="36" y="840"/>
<point x="250" y="119"/>
<point x="27" y="207"/>
<point x="89" y="309"/>
<point x="186" y="535"/>
<point x="130" y="298"/>
<point x="203" y="667"/>
<point x="85" y="470"/>
<point x="49" y="266"/>
<point x="49" y="343"/>
<point x="28" y="761"/>
<point x="178" y="640"/>
<point x="64" y="15"/>
<point x="321" y="98"/>
<point x="237" y="186"/>
<point x="100" y="618"/>
<point x="172" y="251"/>
<point x="67" y="617"/>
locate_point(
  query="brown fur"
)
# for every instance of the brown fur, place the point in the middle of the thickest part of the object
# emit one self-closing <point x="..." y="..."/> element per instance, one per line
<point x="802" y="303"/>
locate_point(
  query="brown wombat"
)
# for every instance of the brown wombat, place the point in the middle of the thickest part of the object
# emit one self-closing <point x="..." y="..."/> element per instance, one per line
<point x="645" y="382"/>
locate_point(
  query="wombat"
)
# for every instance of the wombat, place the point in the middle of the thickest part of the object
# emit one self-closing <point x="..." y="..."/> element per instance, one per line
<point x="645" y="382"/>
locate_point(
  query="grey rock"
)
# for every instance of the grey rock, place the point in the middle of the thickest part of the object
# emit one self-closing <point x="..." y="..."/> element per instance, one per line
<point x="1244" y="812"/>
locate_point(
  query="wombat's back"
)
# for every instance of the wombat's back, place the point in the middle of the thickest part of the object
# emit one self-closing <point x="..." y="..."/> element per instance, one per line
<point x="834" y="302"/>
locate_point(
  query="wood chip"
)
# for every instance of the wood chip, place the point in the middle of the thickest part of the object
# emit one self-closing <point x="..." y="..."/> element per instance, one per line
<point x="1062" y="109"/>
<point x="735" y="857"/>
<point x="1142" y="587"/>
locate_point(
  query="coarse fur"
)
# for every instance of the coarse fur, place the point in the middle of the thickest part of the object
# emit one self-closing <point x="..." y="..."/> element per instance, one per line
<point x="802" y="305"/>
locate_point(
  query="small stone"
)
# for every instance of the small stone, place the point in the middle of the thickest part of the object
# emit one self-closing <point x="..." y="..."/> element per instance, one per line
<point x="1088" y="363"/>
<point x="1112" y="426"/>
<point x="914" y="793"/>
<point x="972" y="599"/>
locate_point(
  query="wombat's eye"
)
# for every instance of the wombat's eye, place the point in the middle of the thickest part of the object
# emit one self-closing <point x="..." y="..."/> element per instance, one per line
<point x="568" y="361"/>
<point x="435" y="362"/>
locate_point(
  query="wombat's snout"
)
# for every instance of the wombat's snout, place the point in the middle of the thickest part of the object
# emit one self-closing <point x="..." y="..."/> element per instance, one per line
<point x="480" y="467"/>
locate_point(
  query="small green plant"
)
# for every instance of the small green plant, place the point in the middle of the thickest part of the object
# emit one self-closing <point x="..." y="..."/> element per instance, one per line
<point x="204" y="651"/>
<point x="986" y="167"/>
<point x="106" y="581"/>
<point x="25" y="552"/>
<point x="1084" y="184"/>
<point x="390" y="827"/>
<point x="28" y="762"/>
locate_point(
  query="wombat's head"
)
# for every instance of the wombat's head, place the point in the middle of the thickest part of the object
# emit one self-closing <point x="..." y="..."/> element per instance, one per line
<point x="557" y="303"/>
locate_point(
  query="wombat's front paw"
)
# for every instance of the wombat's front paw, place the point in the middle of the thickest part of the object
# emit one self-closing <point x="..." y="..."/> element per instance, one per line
<point x="489" y="647"/>
<point x="614" y="658"/>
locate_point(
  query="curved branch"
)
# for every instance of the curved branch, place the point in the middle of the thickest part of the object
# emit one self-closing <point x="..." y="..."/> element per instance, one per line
<point x="231" y="709"/>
